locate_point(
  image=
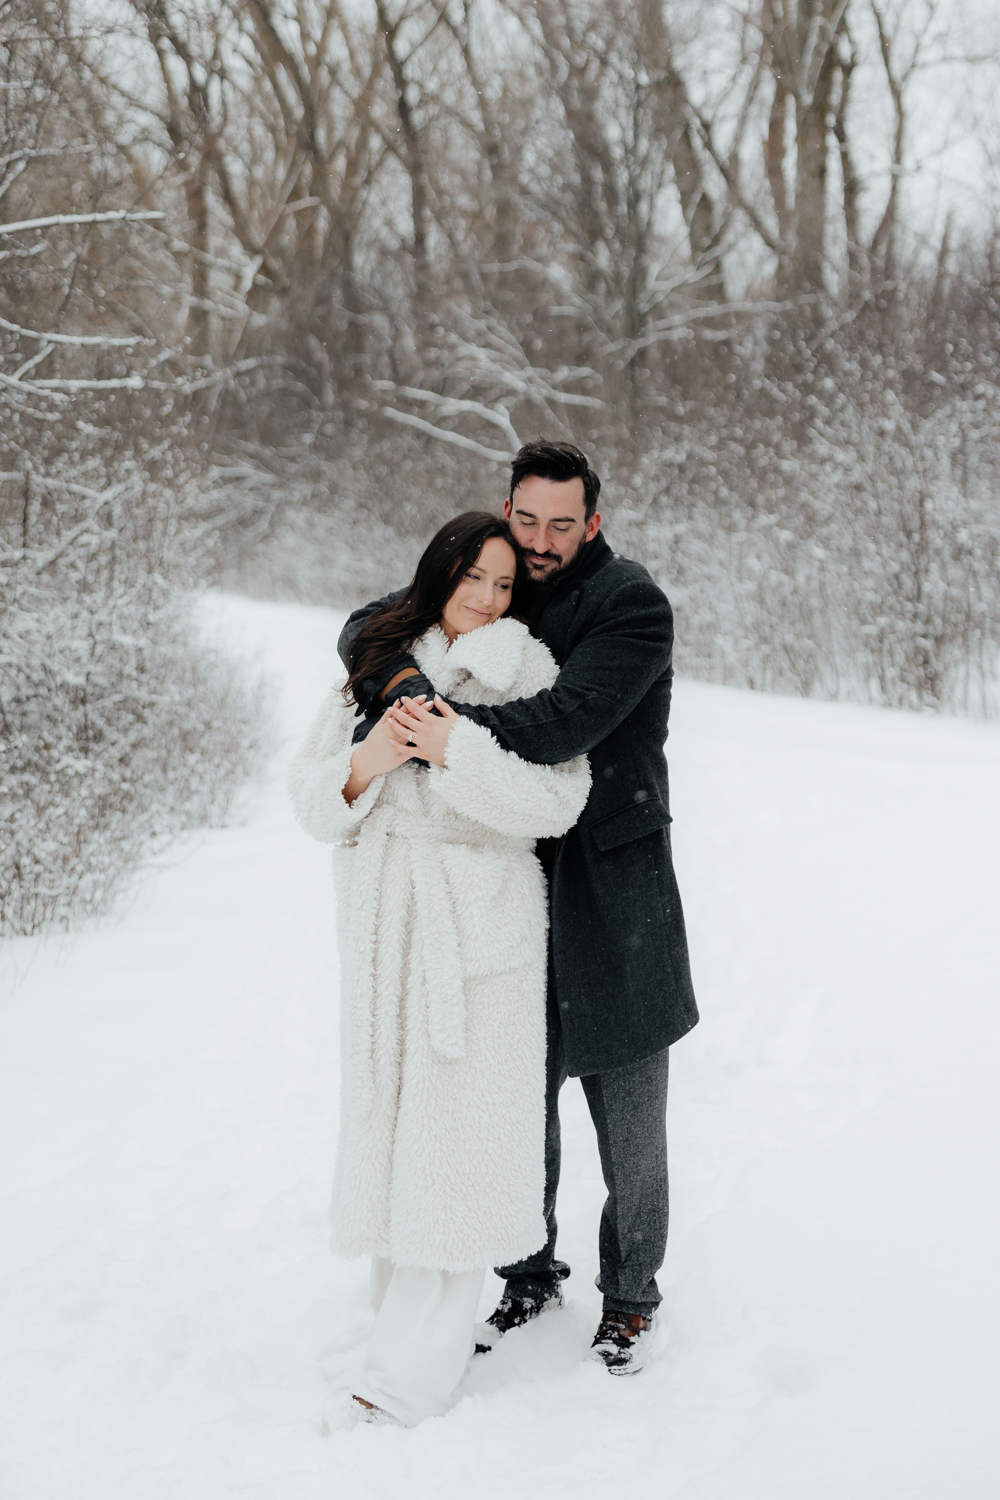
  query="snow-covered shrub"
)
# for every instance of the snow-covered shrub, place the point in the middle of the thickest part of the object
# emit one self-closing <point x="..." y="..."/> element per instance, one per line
<point x="343" y="525"/>
<point x="305" y="535"/>
<point x="855" y="556"/>
<point x="119" y="725"/>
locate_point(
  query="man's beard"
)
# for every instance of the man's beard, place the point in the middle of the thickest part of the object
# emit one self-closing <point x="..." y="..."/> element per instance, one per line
<point x="546" y="559"/>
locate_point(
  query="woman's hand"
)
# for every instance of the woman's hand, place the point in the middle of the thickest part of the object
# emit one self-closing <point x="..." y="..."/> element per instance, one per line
<point x="415" y="725"/>
<point x="378" y="754"/>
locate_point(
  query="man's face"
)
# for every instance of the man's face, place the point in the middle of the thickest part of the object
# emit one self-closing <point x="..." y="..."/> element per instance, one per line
<point x="547" y="520"/>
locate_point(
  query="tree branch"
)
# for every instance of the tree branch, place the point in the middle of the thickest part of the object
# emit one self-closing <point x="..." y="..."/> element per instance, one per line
<point x="450" y="406"/>
<point x="455" y="438"/>
<point x="95" y="341"/>
<point x="117" y="216"/>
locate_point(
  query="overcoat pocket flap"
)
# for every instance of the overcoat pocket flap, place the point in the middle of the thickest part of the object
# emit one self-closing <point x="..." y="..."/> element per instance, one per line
<point x="630" y="823"/>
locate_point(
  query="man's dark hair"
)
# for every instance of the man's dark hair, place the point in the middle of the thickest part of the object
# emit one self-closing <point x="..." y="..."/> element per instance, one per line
<point x="556" y="462"/>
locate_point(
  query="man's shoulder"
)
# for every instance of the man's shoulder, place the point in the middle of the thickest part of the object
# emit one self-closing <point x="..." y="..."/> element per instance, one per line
<point x="624" y="581"/>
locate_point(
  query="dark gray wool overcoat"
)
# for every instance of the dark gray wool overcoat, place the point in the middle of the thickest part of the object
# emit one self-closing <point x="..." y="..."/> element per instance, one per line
<point x="618" y="947"/>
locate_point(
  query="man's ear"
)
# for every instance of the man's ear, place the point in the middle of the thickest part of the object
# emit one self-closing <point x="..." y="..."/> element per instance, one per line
<point x="508" y="506"/>
<point x="593" y="527"/>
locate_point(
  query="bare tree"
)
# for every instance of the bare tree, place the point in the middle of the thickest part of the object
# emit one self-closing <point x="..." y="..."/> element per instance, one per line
<point x="118" y="727"/>
<point x="399" y="236"/>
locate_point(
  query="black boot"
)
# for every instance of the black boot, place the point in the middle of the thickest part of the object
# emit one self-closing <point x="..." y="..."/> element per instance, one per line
<point x="514" y="1312"/>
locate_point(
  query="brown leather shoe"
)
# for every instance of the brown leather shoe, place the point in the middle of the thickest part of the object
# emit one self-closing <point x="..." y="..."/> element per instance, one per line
<point x="622" y="1341"/>
<point x="512" y="1312"/>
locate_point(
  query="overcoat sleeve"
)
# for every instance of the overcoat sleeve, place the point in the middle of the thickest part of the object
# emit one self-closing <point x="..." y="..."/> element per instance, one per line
<point x="369" y="691"/>
<point x="626" y="649"/>
<point x="494" y="787"/>
<point x="320" y="771"/>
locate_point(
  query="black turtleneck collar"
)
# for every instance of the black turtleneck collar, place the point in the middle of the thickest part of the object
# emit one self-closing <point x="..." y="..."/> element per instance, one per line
<point x="592" y="555"/>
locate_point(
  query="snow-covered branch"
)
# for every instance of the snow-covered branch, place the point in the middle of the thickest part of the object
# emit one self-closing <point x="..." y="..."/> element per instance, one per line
<point x="490" y="354"/>
<point x="116" y="216"/>
<point x="23" y="253"/>
<point x="28" y="388"/>
<point x="678" y="323"/>
<point x="38" y="152"/>
<point x="84" y="527"/>
<point x="52" y="482"/>
<point x="453" y="406"/>
<point x="454" y="438"/>
<point x="59" y="389"/>
<point x="122" y="383"/>
<point x="93" y="341"/>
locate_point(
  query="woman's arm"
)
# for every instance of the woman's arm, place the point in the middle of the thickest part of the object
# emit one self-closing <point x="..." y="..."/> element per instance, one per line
<point x="334" y="784"/>
<point x="377" y="755"/>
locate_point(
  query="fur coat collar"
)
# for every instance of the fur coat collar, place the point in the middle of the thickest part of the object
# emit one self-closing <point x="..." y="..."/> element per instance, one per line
<point x="493" y="655"/>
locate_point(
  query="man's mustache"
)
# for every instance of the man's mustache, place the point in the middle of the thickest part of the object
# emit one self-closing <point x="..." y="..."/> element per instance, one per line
<point x="541" y="557"/>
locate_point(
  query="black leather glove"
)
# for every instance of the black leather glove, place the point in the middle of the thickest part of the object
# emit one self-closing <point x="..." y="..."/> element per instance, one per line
<point x="410" y="687"/>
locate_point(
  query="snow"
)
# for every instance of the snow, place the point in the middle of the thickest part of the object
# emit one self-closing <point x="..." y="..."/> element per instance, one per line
<point x="173" y="1324"/>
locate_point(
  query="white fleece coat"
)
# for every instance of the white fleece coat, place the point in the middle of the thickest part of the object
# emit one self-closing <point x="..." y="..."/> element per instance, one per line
<point x="442" y="921"/>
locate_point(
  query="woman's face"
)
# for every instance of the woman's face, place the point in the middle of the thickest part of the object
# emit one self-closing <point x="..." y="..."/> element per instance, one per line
<point x="484" y="593"/>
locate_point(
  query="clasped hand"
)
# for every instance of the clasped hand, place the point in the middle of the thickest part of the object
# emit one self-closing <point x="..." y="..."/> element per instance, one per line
<point x="410" y="730"/>
<point x="415" y="726"/>
<point x="379" y="753"/>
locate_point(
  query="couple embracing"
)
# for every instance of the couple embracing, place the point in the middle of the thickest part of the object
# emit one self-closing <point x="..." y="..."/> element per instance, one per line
<point x="493" y="776"/>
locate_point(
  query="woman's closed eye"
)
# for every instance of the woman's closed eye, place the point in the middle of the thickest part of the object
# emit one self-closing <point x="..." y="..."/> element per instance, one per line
<point x="506" y="584"/>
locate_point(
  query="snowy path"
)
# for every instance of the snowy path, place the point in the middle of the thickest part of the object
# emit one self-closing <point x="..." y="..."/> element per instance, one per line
<point x="173" y="1327"/>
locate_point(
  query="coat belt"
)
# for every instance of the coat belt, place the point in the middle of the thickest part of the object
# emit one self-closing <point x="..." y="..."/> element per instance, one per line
<point x="435" y="929"/>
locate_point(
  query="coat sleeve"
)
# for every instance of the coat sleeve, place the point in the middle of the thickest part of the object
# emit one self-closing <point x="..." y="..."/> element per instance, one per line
<point x="494" y="787"/>
<point x="372" y="686"/>
<point x="626" y="650"/>
<point x="319" y="773"/>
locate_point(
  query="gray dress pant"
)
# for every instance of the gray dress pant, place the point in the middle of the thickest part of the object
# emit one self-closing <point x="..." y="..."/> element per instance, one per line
<point x="628" y="1107"/>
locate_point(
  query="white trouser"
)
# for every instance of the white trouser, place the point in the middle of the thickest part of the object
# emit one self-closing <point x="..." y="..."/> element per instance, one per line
<point x="422" y="1339"/>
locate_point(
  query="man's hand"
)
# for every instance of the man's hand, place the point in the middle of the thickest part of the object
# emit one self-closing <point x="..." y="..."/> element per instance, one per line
<point x="416" y="725"/>
<point x="409" y="683"/>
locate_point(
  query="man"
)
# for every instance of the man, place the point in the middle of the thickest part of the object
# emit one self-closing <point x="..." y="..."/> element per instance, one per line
<point x="620" y="988"/>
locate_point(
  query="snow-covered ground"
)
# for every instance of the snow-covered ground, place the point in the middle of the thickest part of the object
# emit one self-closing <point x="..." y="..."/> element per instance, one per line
<point x="172" y="1326"/>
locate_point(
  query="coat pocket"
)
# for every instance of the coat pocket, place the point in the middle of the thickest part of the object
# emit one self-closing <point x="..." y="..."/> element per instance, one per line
<point x="499" y="909"/>
<point x="629" y="823"/>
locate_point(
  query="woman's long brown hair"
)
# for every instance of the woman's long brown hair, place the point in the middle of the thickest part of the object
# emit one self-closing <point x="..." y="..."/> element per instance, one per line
<point x="448" y="556"/>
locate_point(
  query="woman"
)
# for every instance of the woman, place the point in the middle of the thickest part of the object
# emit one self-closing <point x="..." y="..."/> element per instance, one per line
<point x="442" y="924"/>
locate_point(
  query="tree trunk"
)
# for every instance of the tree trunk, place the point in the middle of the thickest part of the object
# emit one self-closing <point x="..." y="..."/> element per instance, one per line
<point x="413" y="160"/>
<point x="811" y="113"/>
<point x="849" y="177"/>
<point x="675" y="115"/>
<point x="198" y="332"/>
